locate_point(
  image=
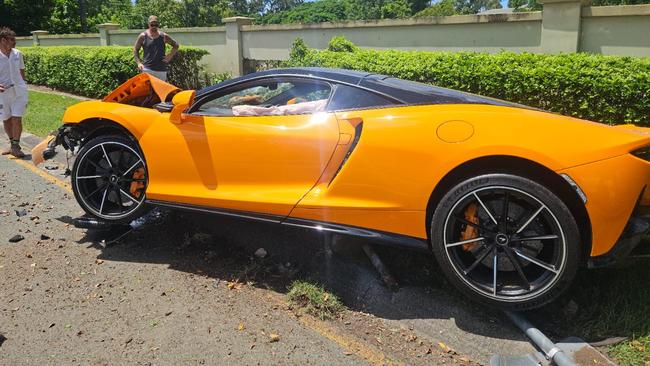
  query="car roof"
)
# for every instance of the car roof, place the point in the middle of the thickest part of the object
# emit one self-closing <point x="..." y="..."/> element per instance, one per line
<point x="404" y="91"/>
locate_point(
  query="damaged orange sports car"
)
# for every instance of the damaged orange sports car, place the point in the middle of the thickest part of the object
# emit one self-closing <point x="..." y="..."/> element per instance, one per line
<point x="509" y="199"/>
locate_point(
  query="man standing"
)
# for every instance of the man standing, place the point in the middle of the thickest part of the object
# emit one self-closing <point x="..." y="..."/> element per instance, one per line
<point x="153" y="41"/>
<point x="13" y="90"/>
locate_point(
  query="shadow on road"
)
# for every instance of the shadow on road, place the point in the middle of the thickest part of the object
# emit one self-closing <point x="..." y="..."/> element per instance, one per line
<point x="222" y="248"/>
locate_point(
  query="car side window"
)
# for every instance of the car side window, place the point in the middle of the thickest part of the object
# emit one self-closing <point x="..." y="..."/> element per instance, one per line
<point x="268" y="97"/>
<point x="348" y="97"/>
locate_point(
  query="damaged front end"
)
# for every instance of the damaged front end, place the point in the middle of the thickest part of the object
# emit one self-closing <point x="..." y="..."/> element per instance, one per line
<point x="143" y="90"/>
<point x="66" y="136"/>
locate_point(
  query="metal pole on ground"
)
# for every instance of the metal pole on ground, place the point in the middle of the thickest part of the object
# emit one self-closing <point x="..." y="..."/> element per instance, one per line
<point x="551" y="351"/>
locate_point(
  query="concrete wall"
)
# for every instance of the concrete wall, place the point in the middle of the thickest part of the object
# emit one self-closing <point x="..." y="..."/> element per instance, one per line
<point x="69" y="40"/>
<point x="483" y="33"/>
<point x="563" y="26"/>
<point x="616" y="30"/>
<point x="212" y="39"/>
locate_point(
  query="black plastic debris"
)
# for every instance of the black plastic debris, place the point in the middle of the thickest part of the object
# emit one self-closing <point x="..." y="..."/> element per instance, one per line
<point x="44" y="237"/>
<point x="21" y="212"/>
<point x="91" y="223"/>
<point x="110" y="233"/>
<point x="16" y="238"/>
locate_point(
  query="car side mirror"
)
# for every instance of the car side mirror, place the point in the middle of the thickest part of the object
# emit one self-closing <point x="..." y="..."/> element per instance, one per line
<point x="181" y="102"/>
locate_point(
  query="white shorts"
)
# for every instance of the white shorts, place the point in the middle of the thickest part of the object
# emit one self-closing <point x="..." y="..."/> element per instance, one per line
<point x="14" y="102"/>
<point x="162" y="75"/>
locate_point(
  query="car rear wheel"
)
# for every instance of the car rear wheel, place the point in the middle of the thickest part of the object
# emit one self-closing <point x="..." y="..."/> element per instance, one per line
<point x="109" y="179"/>
<point x="505" y="241"/>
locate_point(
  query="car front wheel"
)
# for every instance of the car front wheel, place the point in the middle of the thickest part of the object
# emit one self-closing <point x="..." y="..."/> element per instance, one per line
<point x="506" y="241"/>
<point x="109" y="179"/>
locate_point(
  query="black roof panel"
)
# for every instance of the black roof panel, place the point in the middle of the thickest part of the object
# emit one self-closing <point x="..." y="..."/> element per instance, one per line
<point x="408" y="92"/>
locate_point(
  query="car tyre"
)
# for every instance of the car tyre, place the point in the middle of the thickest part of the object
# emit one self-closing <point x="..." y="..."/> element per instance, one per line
<point x="109" y="179"/>
<point x="505" y="241"/>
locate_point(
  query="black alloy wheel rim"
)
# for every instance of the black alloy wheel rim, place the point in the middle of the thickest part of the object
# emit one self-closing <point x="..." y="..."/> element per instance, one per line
<point x="104" y="179"/>
<point x="518" y="251"/>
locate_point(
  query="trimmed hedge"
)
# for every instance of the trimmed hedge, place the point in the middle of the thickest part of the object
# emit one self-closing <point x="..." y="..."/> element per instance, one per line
<point x="95" y="71"/>
<point x="609" y="89"/>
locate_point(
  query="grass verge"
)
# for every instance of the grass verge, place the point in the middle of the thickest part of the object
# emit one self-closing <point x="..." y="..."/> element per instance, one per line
<point x="605" y="303"/>
<point x="44" y="112"/>
<point x="634" y="352"/>
<point x="314" y="300"/>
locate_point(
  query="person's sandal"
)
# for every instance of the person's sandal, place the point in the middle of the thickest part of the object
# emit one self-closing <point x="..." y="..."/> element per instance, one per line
<point x="16" y="151"/>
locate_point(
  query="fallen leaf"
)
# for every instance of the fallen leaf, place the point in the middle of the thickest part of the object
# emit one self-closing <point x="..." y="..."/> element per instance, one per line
<point x="274" y="337"/>
<point x="99" y="261"/>
<point x="241" y="327"/>
<point x="234" y="285"/>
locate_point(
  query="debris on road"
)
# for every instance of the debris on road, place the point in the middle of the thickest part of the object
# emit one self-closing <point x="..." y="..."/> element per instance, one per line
<point x="16" y="238"/>
<point x="21" y="212"/>
<point x="261" y="253"/>
<point x="274" y="337"/>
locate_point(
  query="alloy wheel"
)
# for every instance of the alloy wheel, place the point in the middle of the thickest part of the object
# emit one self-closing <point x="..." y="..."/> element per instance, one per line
<point x="111" y="180"/>
<point x="505" y="243"/>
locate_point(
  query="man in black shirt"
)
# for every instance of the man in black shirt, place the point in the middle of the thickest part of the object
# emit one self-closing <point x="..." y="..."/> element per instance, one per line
<point x="153" y="41"/>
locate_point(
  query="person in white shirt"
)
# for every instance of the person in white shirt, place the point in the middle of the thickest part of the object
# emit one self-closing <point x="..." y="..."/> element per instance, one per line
<point x="13" y="90"/>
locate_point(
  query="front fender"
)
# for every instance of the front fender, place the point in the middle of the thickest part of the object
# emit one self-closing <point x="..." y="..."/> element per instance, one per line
<point x="135" y="119"/>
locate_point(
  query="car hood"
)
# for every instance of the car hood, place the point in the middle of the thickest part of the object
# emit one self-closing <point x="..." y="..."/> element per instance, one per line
<point x="142" y="90"/>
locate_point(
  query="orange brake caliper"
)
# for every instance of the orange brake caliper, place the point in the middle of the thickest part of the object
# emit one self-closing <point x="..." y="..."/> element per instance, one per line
<point x="137" y="186"/>
<point x="470" y="232"/>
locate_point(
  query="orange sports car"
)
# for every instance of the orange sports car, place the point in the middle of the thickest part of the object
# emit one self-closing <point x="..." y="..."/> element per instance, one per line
<point x="509" y="199"/>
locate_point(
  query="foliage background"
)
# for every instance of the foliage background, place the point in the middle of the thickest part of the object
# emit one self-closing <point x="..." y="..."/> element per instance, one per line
<point x="83" y="16"/>
<point x="609" y="89"/>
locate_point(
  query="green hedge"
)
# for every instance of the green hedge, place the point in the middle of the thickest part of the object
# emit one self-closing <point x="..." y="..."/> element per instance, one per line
<point x="609" y="89"/>
<point x="95" y="71"/>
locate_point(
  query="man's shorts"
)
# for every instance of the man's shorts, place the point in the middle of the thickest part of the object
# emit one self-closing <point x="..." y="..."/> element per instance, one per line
<point x="162" y="75"/>
<point x="14" y="102"/>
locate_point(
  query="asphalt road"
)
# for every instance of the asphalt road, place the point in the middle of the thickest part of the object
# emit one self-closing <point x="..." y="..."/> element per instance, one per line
<point x="187" y="289"/>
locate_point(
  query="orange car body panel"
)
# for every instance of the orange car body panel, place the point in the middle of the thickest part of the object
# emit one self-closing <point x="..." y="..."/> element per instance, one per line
<point x="300" y="166"/>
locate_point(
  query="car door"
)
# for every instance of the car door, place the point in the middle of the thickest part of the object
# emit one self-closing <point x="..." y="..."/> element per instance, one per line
<point x="257" y="147"/>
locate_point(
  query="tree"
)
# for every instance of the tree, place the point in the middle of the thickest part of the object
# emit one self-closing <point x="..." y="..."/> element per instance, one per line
<point x="205" y="13"/>
<point x="280" y="5"/>
<point x="418" y="5"/>
<point x="442" y="8"/>
<point x="309" y="12"/>
<point x="24" y="16"/>
<point x="517" y="4"/>
<point x="247" y="7"/>
<point x="476" y="6"/>
<point x="377" y="9"/>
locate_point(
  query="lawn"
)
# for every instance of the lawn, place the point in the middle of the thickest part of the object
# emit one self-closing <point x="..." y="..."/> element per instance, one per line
<point x="44" y="112"/>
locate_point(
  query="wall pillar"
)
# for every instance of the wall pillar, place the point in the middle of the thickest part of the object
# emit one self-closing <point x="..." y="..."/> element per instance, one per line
<point x="561" y="25"/>
<point x="234" y="48"/>
<point x="36" y="34"/>
<point x="104" y="33"/>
